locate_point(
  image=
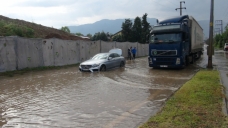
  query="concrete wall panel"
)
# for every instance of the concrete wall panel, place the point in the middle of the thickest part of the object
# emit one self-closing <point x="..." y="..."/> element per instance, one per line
<point x="60" y="52"/>
<point x="7" y="54"/>
<point x="88" y="49"/>
<point x="140" y="52"/>
<point x="48" y="52"/>
<point x="73" y="54"/>
<point x="106" y="46"/>
<point x="143" y="49"/>
<point x="77" y="50"/>
<point x="29" y="53"/>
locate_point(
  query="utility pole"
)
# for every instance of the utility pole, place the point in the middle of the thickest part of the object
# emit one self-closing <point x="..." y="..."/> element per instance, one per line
<point x="181" y="7"/>
<point x="220" y="21"/>
<point x="210" y="47"/>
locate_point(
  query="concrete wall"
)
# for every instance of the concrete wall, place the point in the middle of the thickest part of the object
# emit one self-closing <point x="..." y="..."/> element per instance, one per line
<point x="18" y="53"/>
<point x="8" y="57"/>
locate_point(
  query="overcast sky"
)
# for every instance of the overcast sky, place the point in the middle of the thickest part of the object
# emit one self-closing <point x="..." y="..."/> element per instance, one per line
<point x="58" y="13"/>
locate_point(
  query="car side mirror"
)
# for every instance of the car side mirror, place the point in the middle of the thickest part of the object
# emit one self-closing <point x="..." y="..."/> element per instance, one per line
<point x="109" y="58"/>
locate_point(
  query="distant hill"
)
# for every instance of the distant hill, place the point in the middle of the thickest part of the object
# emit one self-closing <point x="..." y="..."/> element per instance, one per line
<point x="113" y="26"/>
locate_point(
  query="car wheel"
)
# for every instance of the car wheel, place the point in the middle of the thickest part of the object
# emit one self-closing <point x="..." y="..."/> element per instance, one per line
<point x="103" y="68"/>
<point x="121" y="64"/>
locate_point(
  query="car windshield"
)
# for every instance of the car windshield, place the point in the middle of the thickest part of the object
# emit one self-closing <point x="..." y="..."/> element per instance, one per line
<point x="100" y="56"/>
<point x="160" y="38"/>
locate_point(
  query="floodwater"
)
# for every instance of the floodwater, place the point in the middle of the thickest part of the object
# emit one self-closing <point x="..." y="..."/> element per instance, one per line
<point x="66" y="98"/>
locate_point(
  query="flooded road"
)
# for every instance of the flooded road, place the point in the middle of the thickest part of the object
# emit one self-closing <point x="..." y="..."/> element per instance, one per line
<point x="66" y="98"/>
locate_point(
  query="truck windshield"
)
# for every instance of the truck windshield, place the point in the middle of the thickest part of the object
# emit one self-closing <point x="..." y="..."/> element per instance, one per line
<point x="164" y="38"/>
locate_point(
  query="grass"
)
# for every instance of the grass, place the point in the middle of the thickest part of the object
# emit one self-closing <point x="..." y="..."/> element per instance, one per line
<point x="26" y="70"/>
<point x="197" y="104"/>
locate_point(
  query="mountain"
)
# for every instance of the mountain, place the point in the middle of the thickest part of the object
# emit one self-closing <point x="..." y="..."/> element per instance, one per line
<point x="111" y="26"/>
<point x="114" y="26"/>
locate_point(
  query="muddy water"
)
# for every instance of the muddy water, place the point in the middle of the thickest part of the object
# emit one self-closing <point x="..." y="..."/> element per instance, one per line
<point x="67" y="98"/>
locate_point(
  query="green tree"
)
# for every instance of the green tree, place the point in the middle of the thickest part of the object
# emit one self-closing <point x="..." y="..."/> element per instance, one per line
<point x="89" y="35"/>
<point x="79" y="34"/>
<point x="136" y="30"/>
<point x="99" y="36"/>
<point x="103" y="36"/>
<point x="118" y="38"/>
<point x="126" y="30"/>
<point x="65" y="29"/>
<point x="145" y="28"/>
<point x="221" y="39"/>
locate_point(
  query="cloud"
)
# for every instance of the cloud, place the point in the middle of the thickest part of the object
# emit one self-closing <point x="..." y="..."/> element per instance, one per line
<point x="58" y="13"/>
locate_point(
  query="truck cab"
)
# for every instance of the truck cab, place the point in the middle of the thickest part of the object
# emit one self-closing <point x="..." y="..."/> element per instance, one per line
<point x="170" y="43"/>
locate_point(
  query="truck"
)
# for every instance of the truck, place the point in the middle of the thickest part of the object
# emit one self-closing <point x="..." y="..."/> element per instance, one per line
<point x="175" y="42"/>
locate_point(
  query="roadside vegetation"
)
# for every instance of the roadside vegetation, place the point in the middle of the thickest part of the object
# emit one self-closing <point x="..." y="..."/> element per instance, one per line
<point x="221" y="39"/>
<point x="197" y="104"/>
<point x="12" y="29"/>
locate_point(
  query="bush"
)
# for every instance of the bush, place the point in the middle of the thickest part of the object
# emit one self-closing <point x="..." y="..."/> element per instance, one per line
<point x="11" y="29"/>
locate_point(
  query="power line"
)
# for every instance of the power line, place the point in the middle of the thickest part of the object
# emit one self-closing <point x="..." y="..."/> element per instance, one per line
<point x="162" y="4"/>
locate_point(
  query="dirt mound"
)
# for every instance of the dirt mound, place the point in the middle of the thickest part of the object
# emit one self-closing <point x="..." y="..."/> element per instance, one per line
<point x="55" y="35"/>
<point x="43" y="31"/>
<point x="64" y="37"/>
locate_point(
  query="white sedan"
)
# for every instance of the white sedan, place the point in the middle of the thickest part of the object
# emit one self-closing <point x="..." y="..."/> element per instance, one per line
<point x="104" y="61"/>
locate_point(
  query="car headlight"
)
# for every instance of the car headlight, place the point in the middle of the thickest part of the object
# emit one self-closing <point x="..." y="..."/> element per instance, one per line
<point x="95" y="65"/>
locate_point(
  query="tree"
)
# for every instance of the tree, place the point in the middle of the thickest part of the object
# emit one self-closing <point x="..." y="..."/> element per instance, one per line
<point x="221" y="39"/>
<point x="99" y="36"/>
<point x="79" y="34"/>
<point x="65" y="29"/>
<point x="126" y="30"/>
<point x="89" y="35"/>
<point x="145" y="28"/>
<point x="103" y="36"/>
<point x="118" y="38"/>
<point x="136" y="30"/>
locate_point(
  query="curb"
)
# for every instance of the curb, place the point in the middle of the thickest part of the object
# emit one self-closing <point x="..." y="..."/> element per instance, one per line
<point x="224" y="106"/>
